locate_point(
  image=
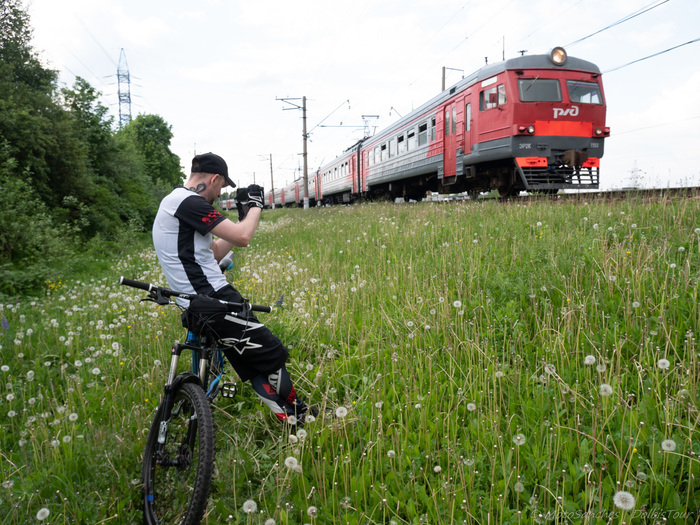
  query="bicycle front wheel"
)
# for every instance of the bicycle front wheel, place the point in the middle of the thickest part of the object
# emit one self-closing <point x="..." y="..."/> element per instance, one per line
<point x="177" y="472"/>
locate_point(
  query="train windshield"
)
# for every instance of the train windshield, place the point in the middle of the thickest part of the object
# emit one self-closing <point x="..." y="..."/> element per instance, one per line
<point x="539" y="90"/>
<point x="584" y="92"/>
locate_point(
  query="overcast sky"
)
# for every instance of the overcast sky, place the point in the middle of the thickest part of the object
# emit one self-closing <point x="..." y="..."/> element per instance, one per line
<point x="214" y="69"/>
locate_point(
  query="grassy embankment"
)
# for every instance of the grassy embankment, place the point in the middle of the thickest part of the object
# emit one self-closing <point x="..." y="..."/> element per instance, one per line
<point x="499" y="363"/>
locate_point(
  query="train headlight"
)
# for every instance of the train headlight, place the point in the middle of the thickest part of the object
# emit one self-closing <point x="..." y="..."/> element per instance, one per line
<point x="558" y="56"/>
<point x="598" y="131"/>
<point x="531" y="129"/>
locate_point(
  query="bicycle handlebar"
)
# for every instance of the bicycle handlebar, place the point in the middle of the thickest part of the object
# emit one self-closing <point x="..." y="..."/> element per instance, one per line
<point x="155" y="291"/>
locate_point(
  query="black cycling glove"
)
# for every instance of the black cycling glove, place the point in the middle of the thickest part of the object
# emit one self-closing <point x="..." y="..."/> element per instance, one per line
<point x="251" y="197"/>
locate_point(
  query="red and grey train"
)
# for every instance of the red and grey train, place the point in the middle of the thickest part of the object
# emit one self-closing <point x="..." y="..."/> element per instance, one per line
<point x="533" y="123"/>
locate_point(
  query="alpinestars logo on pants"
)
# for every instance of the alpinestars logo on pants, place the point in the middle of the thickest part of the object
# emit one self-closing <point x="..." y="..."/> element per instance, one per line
<point x="240" y="345"/>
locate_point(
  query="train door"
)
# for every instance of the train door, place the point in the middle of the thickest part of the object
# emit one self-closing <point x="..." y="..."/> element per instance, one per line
<point x="450" y="141"/>
<point x="468" y="128"/>
<point x="362" y="168"/>
<point x="318" y="191"/>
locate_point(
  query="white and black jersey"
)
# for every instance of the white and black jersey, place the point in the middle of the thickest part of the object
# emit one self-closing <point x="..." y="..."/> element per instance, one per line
<point x="182" y="239"/>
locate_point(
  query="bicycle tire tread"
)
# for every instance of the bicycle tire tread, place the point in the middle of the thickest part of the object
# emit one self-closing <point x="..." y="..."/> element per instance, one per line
<point x="205" y="452"/>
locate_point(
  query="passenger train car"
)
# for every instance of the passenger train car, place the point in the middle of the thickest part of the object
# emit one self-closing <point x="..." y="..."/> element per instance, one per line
<point x="534" y="123"/>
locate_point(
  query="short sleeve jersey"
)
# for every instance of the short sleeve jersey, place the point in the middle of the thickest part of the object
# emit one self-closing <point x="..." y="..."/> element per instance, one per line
<point x="182" y="239"/>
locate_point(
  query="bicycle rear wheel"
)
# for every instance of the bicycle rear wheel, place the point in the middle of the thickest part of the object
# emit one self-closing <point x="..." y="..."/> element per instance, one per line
<point x="177" y="474"/>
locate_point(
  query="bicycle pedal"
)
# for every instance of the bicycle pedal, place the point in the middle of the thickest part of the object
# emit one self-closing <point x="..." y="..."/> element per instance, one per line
<point x="229" y="390"/>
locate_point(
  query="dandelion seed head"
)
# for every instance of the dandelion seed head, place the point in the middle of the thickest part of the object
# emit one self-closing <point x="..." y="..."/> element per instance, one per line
<point x="341" y="412"/>
<point x="663" y="364"/>
<point x="249" y="506"/>
<point x="42" y="514"/>
<point x="668" y="445"/>
<point x="457" y="304"/>
<point x="519" y="487"/>
<point x="312" y="511"/>
<point x="606" y="390"/>
<point x="391" y="453"/>
<point x="589" y="360"/>
<point x="291" y="462"/>
<point x="519" y="439"/>
<point x="437" y="469"/>
<point x="624" y="500"/>
<point x="471" y="407"/>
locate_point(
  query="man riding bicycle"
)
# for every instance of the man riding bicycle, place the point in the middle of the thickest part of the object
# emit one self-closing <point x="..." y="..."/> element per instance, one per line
<point x="183" y="233"/>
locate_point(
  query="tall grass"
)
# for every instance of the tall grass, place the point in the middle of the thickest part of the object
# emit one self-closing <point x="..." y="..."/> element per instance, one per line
<point x="473" y="362"/>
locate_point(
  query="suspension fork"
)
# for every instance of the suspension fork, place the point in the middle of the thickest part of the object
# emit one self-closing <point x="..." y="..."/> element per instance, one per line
<point x="166" y="405"/>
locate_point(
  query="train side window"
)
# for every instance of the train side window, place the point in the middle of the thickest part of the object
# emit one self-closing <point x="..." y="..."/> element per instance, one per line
<point x="447" y="122"/>
<point x="392" y="148"/>
<point x="423" y="134"/>
<point x="584" y="92"/>
<point x="492" y="97"/>
<point x="411" y="142"/>
<point x="383" y="153"/>
<point x="468" y="117"/>
<point x="432" y="129"/>
<point x="454" y="120"/>
<point x="501" y="95"/>
<point x="539" y="90"/>
<point x="401" y="141"/>
<point x="377" y="155"/>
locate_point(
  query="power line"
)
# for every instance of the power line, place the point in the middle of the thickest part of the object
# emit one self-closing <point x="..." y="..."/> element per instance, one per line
<point x="461" y="42"/>
<point x="620" y="21"/>
<point x="617" y="134"/>
<point x="651" y="56"/>
<point x="97" y="42"/>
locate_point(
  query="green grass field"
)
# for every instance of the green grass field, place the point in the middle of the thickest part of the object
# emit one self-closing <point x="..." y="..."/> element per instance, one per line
<point x="489" y="363"/>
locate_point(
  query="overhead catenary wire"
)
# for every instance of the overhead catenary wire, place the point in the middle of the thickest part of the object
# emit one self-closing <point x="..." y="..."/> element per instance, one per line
<point x="652" y="56"/>
<point x="622" y="20"/>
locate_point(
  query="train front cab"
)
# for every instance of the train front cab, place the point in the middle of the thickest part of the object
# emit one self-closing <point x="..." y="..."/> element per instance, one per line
<point x="559" y="127"/>
<point x="534" y="125"/>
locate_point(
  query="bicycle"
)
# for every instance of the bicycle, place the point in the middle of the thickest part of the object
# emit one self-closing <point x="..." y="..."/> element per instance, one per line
<point x="178" y="460"/>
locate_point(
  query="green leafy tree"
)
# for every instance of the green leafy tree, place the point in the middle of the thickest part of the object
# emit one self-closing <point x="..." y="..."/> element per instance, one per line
<point x="28" y="114"/>
<point x="152" y="136"/>
<point x="67" y="178"/>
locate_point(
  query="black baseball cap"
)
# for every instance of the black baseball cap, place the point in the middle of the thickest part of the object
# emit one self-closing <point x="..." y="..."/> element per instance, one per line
<point x="210" y="163"/>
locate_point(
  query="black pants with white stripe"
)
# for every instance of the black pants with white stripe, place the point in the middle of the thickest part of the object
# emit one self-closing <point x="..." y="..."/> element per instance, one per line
<point x="258" y="356"/>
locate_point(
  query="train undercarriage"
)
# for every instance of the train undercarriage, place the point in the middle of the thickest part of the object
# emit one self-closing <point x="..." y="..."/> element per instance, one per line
<point x="507" y="177"/>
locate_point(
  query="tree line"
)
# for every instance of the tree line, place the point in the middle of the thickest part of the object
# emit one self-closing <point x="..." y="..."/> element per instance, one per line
<point x="69" y="180"/>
